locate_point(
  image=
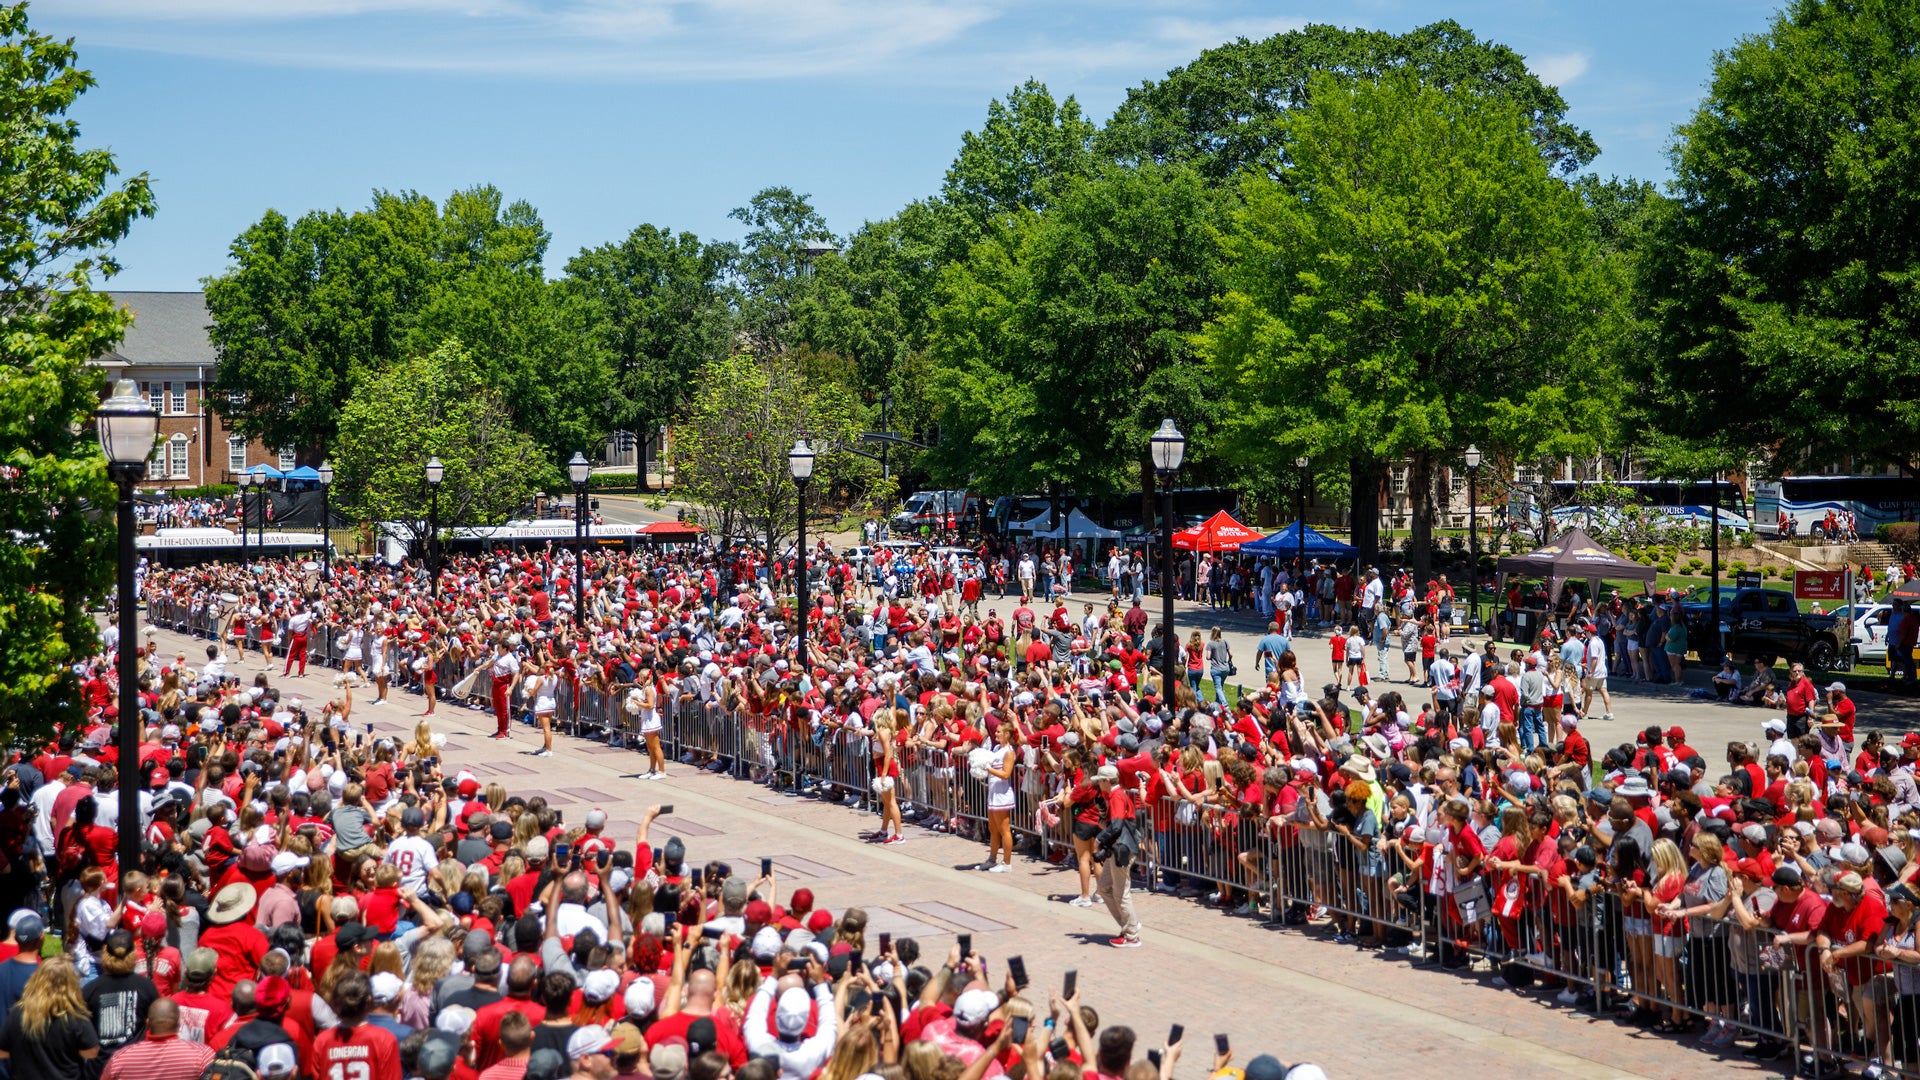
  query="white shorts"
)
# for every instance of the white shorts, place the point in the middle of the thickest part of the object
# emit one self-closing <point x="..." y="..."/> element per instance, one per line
<point x="649" y="723"/>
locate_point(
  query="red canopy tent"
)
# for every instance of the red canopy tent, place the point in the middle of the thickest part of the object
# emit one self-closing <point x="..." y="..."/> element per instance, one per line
<point x="1218" y="533"/>
<point x="670" y="528"/>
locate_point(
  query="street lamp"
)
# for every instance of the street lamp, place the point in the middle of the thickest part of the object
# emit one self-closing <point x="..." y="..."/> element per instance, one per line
<point x="1473" y="536"/>
<point x="128" y="426"/>
<point x="1300" y="522"/>
<point x="1169" y="449"/>
<point x="578" y="471"/>
<point x="326" y="520"/>
<point x="800" y="465"/>
<point x="436" y="472"/>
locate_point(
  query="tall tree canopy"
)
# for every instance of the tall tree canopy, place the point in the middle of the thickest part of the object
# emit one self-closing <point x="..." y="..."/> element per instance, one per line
<point x="1061" y="345"/>
<point x="311" y="307"/>
<point x="438" y="404"/>
<point x="61" y="212"/>
<point x="1418" y="281"/>
<point x="1228" y="109"/>
<point x="1785" y="276"/>
<point x="658" y="307"/>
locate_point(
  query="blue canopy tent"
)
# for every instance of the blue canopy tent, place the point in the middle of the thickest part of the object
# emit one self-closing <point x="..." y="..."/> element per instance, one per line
<point x="305" y="472"/>
<point x="1287" y="542"/>
<point x="267" y="471"/>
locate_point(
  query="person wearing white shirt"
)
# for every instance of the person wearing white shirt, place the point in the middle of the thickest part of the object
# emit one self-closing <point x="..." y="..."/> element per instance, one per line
<point x="1489" y="719"/>
<point x="1470" y="676"/>
<point x="1593" y="672"/>
<point x="42" y="800"/>
<point x="411" y="853"/>
<point x="1371" y="594"/>
<point x="505" y="668"/>
<point x="1441" y="673"/>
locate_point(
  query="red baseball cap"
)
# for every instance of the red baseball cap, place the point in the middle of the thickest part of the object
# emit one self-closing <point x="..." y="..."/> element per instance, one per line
<point x="819" y="920"/>
<point x="1676" y="732"/>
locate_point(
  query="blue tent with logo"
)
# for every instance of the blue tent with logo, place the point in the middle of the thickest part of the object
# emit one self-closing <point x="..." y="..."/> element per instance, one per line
<point x="1286" y="542"/>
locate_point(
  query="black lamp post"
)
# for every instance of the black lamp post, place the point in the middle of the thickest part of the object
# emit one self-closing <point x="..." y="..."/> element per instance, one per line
<point x="326" y="520"/>
<point x="1473" y="536"/>
<point x="1300" y="521"/>
<point x="436" y="472"/>
<point x="128" y="426"/>
<point x="242" y="482"/>
<point x="800" y="465"/>
<point x="578" y="471"/>
<point x="1169" y="449"/>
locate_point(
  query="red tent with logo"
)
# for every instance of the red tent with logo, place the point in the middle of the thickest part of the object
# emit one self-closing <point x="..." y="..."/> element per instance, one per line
<point x="1218" y="533"/>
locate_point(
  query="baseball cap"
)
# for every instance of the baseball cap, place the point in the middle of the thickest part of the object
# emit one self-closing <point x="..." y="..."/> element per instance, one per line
<point x="285" y="862"/>
<point x="1266" y="1067"/>
<point x="436" y="1058"/>
<point x="734" y="891"/>
<point x="200" y="962"/>
<point x="592" y="1039"/>
<point x="536" y="849"/>
<point x="277" y="1059"/>
<point x="596" y="818"/>
<point x="412" y="818"/>
<point x="386" y="986"/>
<point x="972" y="1008"/>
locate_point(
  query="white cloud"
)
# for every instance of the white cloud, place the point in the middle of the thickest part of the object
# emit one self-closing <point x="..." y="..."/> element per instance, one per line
<point x="1560" y="69"/>
<point x="930" y="42"/>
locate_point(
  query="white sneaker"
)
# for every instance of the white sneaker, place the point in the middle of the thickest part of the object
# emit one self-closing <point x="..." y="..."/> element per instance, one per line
<point x="1000" y="868"/>
<point x="1080" y="901"/>
<point x="1567" y="997"/>
<point x="543" y="753"/>
<point x="985" y="866"/>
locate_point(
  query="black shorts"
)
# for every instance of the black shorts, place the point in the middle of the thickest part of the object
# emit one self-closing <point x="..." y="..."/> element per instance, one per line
<point x="1085" y="830"/>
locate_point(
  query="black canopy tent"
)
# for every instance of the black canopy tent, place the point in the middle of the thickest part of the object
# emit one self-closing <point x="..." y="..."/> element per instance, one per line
<point x="1573" y="556"/>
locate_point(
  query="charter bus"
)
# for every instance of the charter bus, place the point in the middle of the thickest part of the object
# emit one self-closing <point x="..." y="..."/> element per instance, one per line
<point x="539" y="534"/>
<point x="1798" y="505"/>
<point x="193" y="546"/>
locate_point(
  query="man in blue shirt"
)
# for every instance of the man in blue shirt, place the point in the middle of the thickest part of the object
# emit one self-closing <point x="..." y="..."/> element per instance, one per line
<point x="1267" y="651"/>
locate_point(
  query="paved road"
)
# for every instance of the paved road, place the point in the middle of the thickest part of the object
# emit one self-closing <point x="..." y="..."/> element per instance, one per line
<point x="1295" y="995"/>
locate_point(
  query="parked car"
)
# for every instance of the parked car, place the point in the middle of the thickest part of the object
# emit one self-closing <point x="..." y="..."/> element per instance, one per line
<point x="1762" y="622"/>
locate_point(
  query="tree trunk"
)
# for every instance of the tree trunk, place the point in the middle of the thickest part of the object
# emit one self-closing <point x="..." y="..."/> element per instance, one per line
<point x="1366" y="477"/>
<point x="1420" y="498"/>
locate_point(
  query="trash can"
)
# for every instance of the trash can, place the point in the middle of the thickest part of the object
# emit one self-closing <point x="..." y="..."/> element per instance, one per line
<point x="1523" y="625"/>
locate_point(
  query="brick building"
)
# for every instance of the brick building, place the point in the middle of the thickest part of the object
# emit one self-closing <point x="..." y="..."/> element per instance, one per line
<point x="168" y="354"/>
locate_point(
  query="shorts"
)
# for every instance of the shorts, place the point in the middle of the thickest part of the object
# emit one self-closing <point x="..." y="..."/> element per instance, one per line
<point x="1669" y="946"/>
<point x="1637" y="927"/>
<point x="882" y="785"/>
<point x="1084" y="830"/>
<point x="1594" y="682"/>
<point x="1354" y="661"/>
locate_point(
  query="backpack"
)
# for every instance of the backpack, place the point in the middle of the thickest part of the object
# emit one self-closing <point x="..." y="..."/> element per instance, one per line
<point x="231" y="1063"/>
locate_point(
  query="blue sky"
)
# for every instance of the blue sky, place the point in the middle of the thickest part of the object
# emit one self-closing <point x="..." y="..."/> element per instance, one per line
<point x="609" y="113"/>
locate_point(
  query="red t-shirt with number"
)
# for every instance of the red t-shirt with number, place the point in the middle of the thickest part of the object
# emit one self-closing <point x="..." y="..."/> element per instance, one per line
<point x="365" y="1052"/>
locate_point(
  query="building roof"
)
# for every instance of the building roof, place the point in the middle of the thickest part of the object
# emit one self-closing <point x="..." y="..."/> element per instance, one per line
<point x="169" y="329"/>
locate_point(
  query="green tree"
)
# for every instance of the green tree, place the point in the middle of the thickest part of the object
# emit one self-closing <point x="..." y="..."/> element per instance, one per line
<point x="1022" y="158"/>
<point x="730" y="451"/>
<point x="311" y="308"/>
<point x="1418" y="282"/>
<point x="1228" y="109"/>
<point x="1060" y="347"/>
<point x="63" y="212"/>
<point x="439" y="404"/>
<point x="786" y="238"/>
<point x="1785" y="277"/>
<point x="658" y="308"/>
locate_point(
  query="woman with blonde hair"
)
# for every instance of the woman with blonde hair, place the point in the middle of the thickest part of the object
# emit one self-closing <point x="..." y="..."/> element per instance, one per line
<point x="49" y="1033"/>
<point x="855" y="1053"/>
<point x="886" y="773"/>
<point x="432" y="962"/>
<point x="1669" y="877"/>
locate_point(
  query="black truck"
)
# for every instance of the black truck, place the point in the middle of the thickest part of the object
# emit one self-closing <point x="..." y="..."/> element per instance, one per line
<point x="1762" y="622"/>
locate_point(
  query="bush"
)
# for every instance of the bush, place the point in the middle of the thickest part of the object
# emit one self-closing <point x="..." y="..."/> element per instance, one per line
<point x="1665" y="568"/>
<point x="1694" y="565"/>
<point x="1773" y="571"/>
<point x="1902" y="536"/>
<point x="1738" y="565"/>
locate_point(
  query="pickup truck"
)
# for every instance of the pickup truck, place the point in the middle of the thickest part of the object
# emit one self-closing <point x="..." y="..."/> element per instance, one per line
<point x="1762" y="622"/>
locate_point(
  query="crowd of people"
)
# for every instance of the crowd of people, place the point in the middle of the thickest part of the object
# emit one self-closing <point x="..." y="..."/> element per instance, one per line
<point x="358" y="894"/>
<point x="175" y="513"/>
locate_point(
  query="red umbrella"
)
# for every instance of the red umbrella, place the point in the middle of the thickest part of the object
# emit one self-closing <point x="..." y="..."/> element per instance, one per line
<point x="1218" y="533"/>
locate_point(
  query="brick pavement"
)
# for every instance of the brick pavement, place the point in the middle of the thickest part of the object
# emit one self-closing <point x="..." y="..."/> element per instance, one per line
<point x="1207" y="970"/>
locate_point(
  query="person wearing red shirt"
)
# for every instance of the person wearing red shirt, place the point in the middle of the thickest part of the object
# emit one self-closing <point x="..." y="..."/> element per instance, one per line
<point x="240" y="945"/>
<point x="355" y="1050"/>
<point x="1843" y="712"/>
<point x="522" y="974"/>
<point x="1801" y="694"/>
